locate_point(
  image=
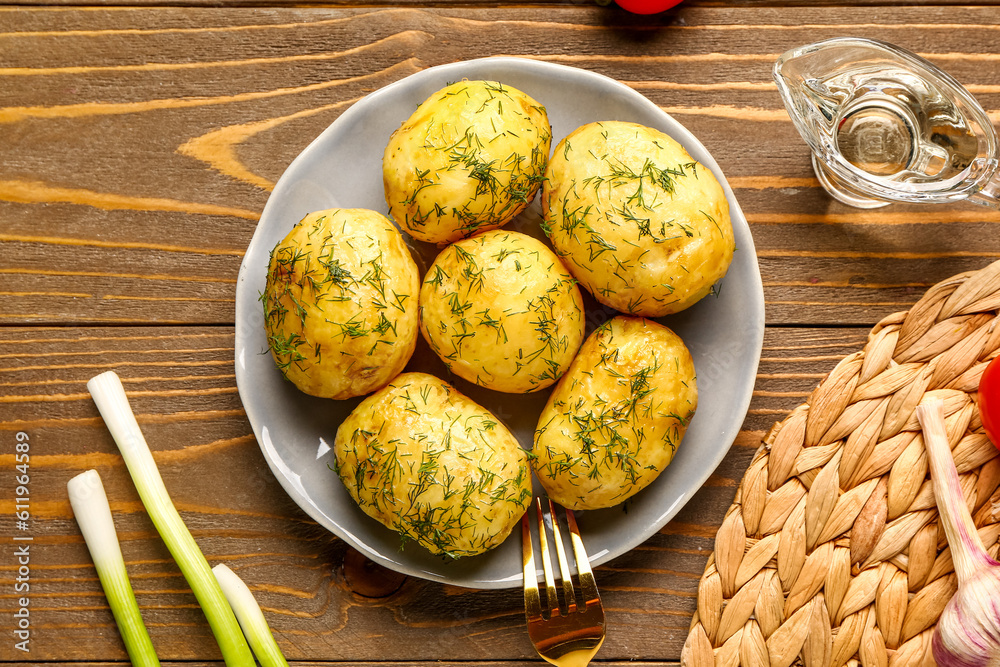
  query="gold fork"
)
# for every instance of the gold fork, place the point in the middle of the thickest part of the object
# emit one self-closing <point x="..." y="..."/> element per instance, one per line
<point x="567" y="634"/>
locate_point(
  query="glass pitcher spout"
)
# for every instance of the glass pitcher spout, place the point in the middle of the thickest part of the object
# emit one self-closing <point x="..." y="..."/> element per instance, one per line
<point x="886" y="125"/>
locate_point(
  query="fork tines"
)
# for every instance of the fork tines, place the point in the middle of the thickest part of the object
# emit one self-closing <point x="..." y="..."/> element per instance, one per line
<point x="585" y="576"/>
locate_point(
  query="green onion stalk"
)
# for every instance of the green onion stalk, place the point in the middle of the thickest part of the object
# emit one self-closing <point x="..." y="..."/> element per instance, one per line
<point x="93" y="514"/>
<point x="109" y="395"/>
<point x="251" y="618"/>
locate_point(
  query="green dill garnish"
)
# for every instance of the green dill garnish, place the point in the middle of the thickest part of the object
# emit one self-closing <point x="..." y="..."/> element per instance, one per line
<point x="328" y="271"/>
<point x="481" y="290"/>
<point x="431" y="476"/>
<point x="500" y="149"/>
<point x="590" y="437"/>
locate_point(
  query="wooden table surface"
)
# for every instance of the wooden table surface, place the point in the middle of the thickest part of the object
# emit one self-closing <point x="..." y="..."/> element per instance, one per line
<point x="139" y="141"/>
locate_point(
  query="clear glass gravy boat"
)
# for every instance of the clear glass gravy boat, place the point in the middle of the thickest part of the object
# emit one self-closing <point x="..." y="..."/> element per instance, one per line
<point x="885" y="125"/>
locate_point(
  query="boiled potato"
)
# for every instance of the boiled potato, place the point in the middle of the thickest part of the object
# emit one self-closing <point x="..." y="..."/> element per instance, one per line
<point x="617" y="416"/>
<point x="501" y="311"/>
<point x="428" y="462"/>
<point x="641" y="224"/>
<point x="470" y="158"/>
<point x="340" y="304"/>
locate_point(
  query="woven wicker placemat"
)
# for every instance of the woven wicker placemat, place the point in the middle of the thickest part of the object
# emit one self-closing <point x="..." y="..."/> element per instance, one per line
<point x="831" y="553"/>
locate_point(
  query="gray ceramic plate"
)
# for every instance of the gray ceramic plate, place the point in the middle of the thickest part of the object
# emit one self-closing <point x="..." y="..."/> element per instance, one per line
<point x="342" y="168"/>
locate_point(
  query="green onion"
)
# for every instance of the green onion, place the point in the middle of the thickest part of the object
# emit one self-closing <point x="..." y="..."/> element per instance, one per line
<point x="251" y="618"/>
<point x="93" y="514"/>
<point x="109" y="395"/>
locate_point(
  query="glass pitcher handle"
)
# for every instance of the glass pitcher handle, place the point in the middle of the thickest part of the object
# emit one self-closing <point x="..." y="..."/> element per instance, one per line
<point x="989" y="195"/>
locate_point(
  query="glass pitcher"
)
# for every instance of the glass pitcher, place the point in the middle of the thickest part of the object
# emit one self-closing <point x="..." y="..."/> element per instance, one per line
<point x="885" y="125"/>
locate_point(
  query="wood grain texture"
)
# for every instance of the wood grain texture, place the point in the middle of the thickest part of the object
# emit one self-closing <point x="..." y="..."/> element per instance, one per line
<point x="322" y="601"/>
<point x="141" y="145"/>
<point x="606" y="5"/>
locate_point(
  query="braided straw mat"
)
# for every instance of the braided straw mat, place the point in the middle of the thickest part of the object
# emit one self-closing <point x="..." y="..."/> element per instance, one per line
<point x="831" y="553"/>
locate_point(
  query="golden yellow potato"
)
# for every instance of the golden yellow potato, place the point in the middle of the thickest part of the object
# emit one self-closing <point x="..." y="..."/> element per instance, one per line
<point x="340" y="304"/>
<point x="617" y="416"/>
<point x="642" y="225"/>
<point x="501" y="311"/>
<point x="431" y="464"/>
<point x="470" y="158"/>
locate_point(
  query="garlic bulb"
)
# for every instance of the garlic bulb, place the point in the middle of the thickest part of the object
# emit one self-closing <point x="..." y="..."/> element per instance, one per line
<point x="968" y="632"/>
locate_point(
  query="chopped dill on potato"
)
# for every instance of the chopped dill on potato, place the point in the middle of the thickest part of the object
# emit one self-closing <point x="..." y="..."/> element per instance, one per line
<point x="339" y="303"/>
<point x="501" y="310"/>
<point x="431" y="464"/>
<point x="643" y="227"/>
<point x="617" y="416"/>
<point x="469" y="159"/>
